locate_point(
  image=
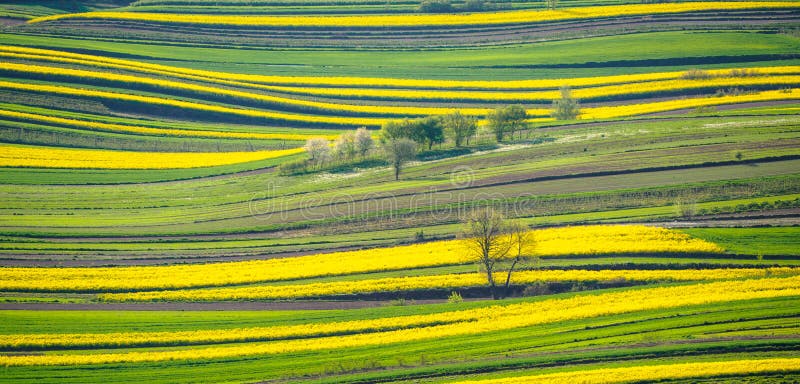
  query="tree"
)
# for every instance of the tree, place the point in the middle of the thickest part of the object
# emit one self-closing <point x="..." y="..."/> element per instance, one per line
<point x="516" y="119"/>
<point x="435" y="6"/>
<point x="363" y="141"/>
<point x="522" y="245"/>
<point x="567" y="107"/>
<point x="345" y="146"/>
<point x="551" y="4"/>
<point x="398" y="152"/>
<point x="459" y="128"/>
<point x="318" y="149"/>
<point x="402" y="129"/>
<point x="429" y="130"/>
<point x="509" y="120"/>
<point x="485" y="236"/>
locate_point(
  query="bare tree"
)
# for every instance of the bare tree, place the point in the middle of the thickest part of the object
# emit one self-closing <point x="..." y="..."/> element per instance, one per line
<point x="522" y="243"/>
<point x="318" y="149"/>
<point x="363" y="140"/>
<point x="398" y="152"/>
<point x="485" y="236"/>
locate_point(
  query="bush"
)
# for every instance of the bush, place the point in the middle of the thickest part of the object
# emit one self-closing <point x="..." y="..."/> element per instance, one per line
<point x="696" y="74"/>
<point x="455" y="298"/>
<point x="435" y="6"/>
<point x="536" y="289"/>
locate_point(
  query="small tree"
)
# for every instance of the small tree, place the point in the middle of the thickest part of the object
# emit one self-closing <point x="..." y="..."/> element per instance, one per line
<point x="459" y="128"/>
<point x="516" y="119"/>
<point x="435" y="6"/>
<point x="551" y="4"/>
<point x="345" y="146"/>
<point x="509" y="120"/>
<point x="430" y="130"/>
<point x="485" y="236"/>
<point x="318" y="149"/>
<point x="398" y="152"/>
<point x="403" y="129"/>
<point x="363" y="141"/>
<point x="567" y="107"/>
<point x="496" y="121"/>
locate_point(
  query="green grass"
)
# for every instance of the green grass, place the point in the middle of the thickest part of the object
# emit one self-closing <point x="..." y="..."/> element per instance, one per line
<point x="753" y="241"/>
<point x="458" y="63"/>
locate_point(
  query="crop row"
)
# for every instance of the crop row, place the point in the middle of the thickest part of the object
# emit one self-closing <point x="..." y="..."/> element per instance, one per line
<point x="451" y="281"/>
<point x="649" y="373"/>
<point x="555" y="241"/>
<point x="51" y="157"/>
<point x="303" y="81"/>
<point x="606" y="91"/>
<point x="467" y="322"/>
<point x="407" y="20"/>
<point x="99" y="126"/>
<point x="586" y="113"/>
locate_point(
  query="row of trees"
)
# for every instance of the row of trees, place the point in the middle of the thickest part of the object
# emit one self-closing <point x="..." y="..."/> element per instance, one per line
<point x="401" y="139"/>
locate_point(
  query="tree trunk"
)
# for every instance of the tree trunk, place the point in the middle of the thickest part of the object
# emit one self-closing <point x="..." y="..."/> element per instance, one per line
<point x="397" y="172"/>
<point x="508" y="277"/>
<point x="492" y="286"/>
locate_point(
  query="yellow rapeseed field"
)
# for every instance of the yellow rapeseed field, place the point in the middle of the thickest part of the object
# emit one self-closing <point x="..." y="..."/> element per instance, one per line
<point x="603" y="239"/>
<point x="655" y="372"/>
<point x="467" y="322"/>
<point x="94" y="125"/>
<point x="405" y="20"/>
<point x="62" y="90"/>
<point x="51" y="157"/>
<point x="243" y="79"/>
<point x="451" y="281"/>
<point x="608" y="112"/>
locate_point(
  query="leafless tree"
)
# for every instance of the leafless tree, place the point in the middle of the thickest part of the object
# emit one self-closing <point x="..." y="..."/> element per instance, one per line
<point x="486" y="238"/>
<point x="363" y="140"/>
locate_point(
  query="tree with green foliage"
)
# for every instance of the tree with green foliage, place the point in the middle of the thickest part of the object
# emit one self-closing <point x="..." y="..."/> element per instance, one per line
<point x="551" y="4"/>
<point x="507" y="120"/>
<point x="398" y="152"/>
<point x="429" y="130"/>
<point x="566" y="107"/>
<point x="459" y="128"/>
<point x="344" y="147"/>
<point x="435" y="6"/>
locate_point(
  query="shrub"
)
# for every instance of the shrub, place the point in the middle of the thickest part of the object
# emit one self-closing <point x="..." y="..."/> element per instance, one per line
<point x="455" y="298"/>
<point x="696" y="74"/>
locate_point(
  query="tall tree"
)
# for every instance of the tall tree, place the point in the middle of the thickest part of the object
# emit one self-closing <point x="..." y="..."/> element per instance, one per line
<point x="345" y="146"/>
<point x="566" y="107"/>
<point x="363" y="141"/>
<point x="487" y="242"/>
<point x="459" y="128"/>
<point x="318" y="149"/>
<point x="429" y="129"/>
<point x="398" y="152"/>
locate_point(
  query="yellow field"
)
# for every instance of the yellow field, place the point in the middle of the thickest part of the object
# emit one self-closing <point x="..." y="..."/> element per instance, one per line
<point x="671" y="105"/>
<point x="93" y="125"/>
<point x="51" y="157"/>
<point x="655" y="372"/>
<point x="471" y="321"/>
<point x="243" y="79"/>
<point x="452" y="281"/>
<point x="492" y="18"/>
<point x="555" y="241"/>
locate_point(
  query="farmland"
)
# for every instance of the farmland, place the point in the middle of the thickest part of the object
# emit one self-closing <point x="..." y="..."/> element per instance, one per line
<point x="287" y="191"/>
